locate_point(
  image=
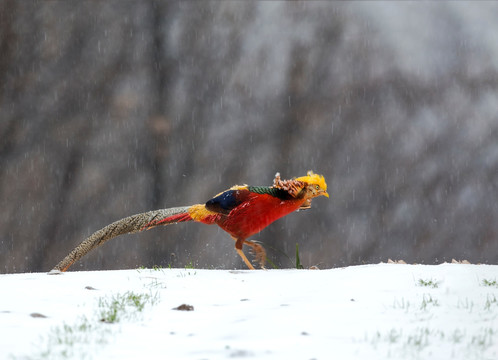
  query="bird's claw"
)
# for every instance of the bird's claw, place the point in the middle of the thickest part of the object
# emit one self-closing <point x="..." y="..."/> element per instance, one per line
<point x="258" y="252"/>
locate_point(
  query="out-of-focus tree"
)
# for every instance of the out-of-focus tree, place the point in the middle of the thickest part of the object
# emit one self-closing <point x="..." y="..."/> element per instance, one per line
<point x="114" y="108"/>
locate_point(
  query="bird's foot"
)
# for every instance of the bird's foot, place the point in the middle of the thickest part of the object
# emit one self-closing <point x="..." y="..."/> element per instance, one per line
<point x="259" y="253"/>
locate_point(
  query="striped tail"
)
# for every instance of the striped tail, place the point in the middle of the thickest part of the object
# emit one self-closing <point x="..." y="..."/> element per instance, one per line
<point x="128" y="225"/>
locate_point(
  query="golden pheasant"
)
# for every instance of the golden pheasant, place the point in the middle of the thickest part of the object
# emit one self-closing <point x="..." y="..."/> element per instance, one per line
<point x="241" y="211"/>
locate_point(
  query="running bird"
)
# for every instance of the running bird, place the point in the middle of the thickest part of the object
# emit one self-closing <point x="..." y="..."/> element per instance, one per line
<point x="241" y="211"/>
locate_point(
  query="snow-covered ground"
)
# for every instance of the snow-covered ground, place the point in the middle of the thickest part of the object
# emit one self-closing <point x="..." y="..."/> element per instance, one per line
<point x="379" y="311"/>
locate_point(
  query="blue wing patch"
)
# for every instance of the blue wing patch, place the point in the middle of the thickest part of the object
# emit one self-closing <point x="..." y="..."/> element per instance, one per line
<point x="224" y="202"/>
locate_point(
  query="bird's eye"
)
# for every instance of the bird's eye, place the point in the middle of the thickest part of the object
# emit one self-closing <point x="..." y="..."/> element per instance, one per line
<point x="317" y="187"/>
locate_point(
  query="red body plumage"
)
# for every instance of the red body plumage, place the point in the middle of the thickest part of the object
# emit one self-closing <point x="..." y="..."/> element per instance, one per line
<point x="247" y="214"/>
<point x="254" y="213"/>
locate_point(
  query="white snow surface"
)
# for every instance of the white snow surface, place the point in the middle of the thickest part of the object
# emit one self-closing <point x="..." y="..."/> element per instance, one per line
<point x="378" y="311"/>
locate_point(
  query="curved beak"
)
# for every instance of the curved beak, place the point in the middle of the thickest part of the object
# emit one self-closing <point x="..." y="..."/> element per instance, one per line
<point x="324" y="193"/>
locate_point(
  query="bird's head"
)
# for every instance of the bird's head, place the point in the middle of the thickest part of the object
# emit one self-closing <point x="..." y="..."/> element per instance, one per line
<point x="315" y="185"/>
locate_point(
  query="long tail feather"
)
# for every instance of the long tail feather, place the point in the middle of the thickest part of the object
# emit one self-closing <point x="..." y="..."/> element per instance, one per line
<point x="128" y="225"/>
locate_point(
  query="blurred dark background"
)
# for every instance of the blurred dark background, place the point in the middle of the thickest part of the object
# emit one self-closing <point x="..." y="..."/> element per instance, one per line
<point x="112" y="108"/>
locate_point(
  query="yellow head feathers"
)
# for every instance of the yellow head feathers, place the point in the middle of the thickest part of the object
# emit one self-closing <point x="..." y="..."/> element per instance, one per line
<point x="314" y="179"/>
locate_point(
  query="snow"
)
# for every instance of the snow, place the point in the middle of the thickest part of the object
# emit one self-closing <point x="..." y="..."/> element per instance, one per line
<point x="381" y="311"/>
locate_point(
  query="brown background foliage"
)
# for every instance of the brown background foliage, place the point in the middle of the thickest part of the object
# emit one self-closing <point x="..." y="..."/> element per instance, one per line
<point x="113" y="108"/>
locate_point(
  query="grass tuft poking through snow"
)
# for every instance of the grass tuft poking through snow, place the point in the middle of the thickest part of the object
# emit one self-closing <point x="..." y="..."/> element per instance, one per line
<point x="427" y="302"/>
<point x="429" y="283"/>
<point x="74" y="340"/>
<point x="71" y="340"/>
<point x="125" y="305"/>
<point x="490" y="283"/>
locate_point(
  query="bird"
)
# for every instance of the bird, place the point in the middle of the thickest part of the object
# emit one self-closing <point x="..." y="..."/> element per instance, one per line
<point x="241" y="211"/>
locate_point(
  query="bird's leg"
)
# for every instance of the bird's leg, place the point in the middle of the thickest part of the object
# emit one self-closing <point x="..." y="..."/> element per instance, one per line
<point x="259" y="252"/>
<point x="238" y="246"/>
